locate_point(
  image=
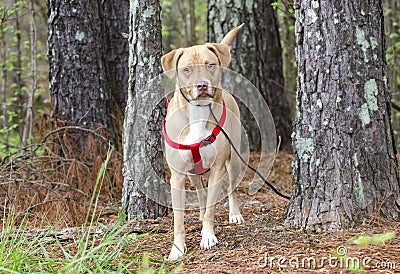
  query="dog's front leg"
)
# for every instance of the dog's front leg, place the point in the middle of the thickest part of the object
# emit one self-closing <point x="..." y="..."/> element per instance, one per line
<point x="208" y="238"/>
<point x="178" y="205"/>
<point x="201" y="193"/>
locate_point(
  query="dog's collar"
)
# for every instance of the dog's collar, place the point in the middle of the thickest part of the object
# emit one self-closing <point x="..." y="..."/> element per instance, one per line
<point x="195" y="148"/>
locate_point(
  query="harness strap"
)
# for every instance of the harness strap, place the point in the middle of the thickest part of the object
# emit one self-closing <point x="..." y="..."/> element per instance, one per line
<point x="195" y="148"/>
<point x="198" y="165"/>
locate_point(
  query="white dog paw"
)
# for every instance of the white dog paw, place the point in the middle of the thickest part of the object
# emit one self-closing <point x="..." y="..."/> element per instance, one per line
<point x="176" y="253"/>
<point x="236" y="219"/>
<point x="208" y="240"/>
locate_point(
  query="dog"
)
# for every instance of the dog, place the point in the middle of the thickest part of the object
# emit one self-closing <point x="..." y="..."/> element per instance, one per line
<point x="194" y="146"/>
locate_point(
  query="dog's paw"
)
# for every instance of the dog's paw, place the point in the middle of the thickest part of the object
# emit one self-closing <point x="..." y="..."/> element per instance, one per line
<point x="176" y="253"/>
<point x="208" y="240"/>
<point x="236" y="219"/>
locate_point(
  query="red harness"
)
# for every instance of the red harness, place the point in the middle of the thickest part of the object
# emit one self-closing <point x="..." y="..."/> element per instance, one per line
<point x="195" y="148"/>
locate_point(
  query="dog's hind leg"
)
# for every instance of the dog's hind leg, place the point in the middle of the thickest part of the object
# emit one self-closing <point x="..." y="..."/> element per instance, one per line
<point x="201" y="193"/>
<point x="178" y="205"/>
<point x="233" y="167"/>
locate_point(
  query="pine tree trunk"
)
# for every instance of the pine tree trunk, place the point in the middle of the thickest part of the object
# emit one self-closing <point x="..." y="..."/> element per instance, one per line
<point x="117" y="49"/>
<point x="257" y="55"/>
<point x="86" y="54"/>
<point x="344" y="167"/>
<point x="142" y="196"/>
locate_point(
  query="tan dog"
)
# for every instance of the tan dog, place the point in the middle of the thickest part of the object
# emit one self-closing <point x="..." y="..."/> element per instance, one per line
<point x="188" y="122"/>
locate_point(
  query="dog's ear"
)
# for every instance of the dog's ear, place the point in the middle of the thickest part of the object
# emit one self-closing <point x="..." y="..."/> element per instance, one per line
<point x="170" y="61"/>
<point x="222" y="51"/>
<point x="230" y="36"/>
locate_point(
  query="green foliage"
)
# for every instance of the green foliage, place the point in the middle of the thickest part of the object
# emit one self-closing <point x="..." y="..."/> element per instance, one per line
<point x="9" y="118"/>
<point x="275" y="5"/>
<point x="201" y="9"/>
<point x="108" y="250"/>
<point x="393" y="50"/>
<point x="373" y="239"/>
<point x="16" y="73"/>
<point x="175" y="23"/>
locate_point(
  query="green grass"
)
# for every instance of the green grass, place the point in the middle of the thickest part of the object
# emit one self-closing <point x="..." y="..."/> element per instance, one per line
<point x="114" y="250"/>
<point x="108" y="252"/>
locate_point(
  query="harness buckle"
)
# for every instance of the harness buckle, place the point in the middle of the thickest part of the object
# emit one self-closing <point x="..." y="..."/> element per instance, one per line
<point x="209" y="140"/>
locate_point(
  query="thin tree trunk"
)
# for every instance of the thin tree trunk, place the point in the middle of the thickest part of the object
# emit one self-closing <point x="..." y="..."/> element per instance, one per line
<point x="257" y="55"/>
<point x="29" y="107"/>
<point x="3" y="91"/>
<point x="184" y="22"/>
<point x="143" y="157"/>
<point x="192" y="22"/>
<point x="286" y="30"/>
<point x="344" y="168"/>
<point x="17" y="79"/>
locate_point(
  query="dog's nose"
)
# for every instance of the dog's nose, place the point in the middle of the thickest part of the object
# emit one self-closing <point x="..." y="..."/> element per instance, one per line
<point x="202" y="86"/>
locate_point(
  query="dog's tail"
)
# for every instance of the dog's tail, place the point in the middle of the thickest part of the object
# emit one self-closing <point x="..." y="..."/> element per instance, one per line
<point x="227" y="40"/>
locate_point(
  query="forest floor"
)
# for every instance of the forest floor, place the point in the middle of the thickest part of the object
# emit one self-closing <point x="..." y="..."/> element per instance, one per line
<point x="262" y="244"/>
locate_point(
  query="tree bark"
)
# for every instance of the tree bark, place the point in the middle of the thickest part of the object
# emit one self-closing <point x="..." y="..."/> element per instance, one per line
<point x="344" y="167"/>
<point x="257" y="55"/>
<point x="117" y="50"/>
<point x="142" y="196"/>
<point x="87" y="57"/>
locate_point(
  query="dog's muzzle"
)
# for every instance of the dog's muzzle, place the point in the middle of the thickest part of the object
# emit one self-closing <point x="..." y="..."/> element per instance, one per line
<point x="204" y="90"/>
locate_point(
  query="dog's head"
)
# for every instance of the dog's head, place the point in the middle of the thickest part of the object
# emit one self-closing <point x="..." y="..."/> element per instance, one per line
<point x="198" y="68"/>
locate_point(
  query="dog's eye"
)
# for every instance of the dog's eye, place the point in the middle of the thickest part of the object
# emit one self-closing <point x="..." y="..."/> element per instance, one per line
<point x="187" y="70"/>
<point x="210" y="66"/>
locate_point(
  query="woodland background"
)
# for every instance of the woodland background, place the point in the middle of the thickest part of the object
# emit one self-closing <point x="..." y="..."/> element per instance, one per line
<point x="55" y="172"/>
<point x="26" y="126"/>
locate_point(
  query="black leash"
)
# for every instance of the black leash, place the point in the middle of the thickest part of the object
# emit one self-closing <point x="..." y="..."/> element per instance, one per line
<point x="235" y="149"/>
<point x="243" y="161"/>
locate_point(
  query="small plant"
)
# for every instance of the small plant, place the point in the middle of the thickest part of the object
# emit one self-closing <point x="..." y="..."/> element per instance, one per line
<point x="373" y="239"/>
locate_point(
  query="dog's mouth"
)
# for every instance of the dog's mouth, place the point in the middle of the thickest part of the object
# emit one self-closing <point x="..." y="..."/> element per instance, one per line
<point x="204" y="95"/>
<point x="201" y="91"/>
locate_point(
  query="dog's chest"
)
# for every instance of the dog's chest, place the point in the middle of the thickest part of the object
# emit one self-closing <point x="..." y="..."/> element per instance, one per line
<point x="198" y="120"/>
<point x="207" y="153"/>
